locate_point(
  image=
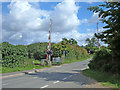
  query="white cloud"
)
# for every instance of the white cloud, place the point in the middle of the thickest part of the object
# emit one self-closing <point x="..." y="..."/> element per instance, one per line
<point x="83" y="21"/>
<point x="92" y="1"/>
<point x="65" y="16"/>
<point x="26" y="23"/>
<point x="80" y="37"/>
<point x="16" y="36"/>
<point x="92" y="20"/>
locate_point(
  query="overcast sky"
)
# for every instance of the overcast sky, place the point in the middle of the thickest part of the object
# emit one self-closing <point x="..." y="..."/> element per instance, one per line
<point x="28" y="22"/>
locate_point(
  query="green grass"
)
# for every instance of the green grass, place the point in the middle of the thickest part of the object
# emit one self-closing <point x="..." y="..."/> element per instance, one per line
<point x="8" y="70"/>
<point x="37" y="61"/>
<point x="72" y="61"/>
<point x="106" y="79"/>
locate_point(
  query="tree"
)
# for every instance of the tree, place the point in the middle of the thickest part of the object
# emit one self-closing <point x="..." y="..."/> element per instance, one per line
<point x="91" y="43"/>
<point x="65" y="40"/>
<point x="73" y="41"/>
<point x="110" y="16"/>
<point x="94" y="41"/>
<point x="88" y="41"/>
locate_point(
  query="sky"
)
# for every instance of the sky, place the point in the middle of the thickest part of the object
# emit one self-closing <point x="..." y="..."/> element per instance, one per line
<point x="28" y="22"/>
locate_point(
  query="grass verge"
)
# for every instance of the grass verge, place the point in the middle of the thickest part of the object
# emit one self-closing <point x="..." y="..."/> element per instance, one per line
<point x="106" y="79"/>
<point x="8" y="70"/>
<point x="72" y="61"/>
<point x="30" y="67"/>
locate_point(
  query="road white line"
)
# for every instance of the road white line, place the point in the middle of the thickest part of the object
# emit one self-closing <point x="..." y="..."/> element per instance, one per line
<point x="12" y="75"/>
<point x="45" y="86"/>
<point x="64" y="78"/>
<point x="56" y="82"/>
<point x="35" y="77"/>
<point x="42" y="78"/>
<point x="5" y="84"/>
<point x="56" y="66"/>
<point x="83" y="68"/>
<point x="70" y="76"/>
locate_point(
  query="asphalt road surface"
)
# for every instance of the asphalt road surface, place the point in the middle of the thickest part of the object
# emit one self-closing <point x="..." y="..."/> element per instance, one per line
<point x="64" y="76"/>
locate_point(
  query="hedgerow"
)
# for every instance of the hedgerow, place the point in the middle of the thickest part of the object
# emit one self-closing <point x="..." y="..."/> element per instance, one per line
<point x="13" y="56"/>
<point x="23" y="55"/>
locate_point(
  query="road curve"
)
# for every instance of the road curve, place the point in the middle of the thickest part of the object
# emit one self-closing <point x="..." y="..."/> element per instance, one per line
<point x="64" y="76"/>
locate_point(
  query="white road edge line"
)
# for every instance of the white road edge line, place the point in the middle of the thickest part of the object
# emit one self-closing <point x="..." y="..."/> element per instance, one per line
<point x="35" y="77"/>
<point x="64" y="78"/>
<point x="45" y="86"/>
<point x="5" y="84"/>
<point x="56" y="82"/>
<point x="70" y="76"/>
<point x="83" y="68"/>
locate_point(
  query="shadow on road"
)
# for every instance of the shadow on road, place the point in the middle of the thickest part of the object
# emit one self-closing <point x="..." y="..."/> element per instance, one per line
<point x="71" y="77"/>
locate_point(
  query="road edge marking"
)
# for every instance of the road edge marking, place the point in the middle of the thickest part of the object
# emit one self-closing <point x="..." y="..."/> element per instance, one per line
<point x="13" y="75"/>
<point x="56" y="82"/>
<point x="44" y="86"/>
<point x="64" y="78"/>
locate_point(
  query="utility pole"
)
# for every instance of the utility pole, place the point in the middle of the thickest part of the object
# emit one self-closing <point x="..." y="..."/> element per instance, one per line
<point x="98" y="35"/>
<point x="49" y="44"/>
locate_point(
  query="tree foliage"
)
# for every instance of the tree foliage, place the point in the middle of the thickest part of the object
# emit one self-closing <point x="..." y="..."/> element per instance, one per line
<point x="108" y="59"/>
<point x="73" y="51"/>
<point x="91" y="43"/>
<point x="111" y="17"/>
<point x="70" y="41"/>
<point x="13" y="56"/>
<point x="37" y="50"/>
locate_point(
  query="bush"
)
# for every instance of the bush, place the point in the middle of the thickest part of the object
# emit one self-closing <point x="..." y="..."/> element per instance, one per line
<point x="106" y="67"/>
<point x="102" y="54"/>
<point x="102" y="61"/>
<point x="73" y="52"/>
<point x="37" y="50"/>
<point x="13" y="56"/>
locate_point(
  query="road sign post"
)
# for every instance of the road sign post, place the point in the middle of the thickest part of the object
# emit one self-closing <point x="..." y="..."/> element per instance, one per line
<point x="63" y="52"/>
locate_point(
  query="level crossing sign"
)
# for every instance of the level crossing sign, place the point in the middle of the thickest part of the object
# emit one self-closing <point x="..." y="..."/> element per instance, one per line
<point x="50" y="52"/>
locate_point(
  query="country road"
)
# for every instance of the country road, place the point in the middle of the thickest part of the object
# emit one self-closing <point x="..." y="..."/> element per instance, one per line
<point x="64" y="76"/>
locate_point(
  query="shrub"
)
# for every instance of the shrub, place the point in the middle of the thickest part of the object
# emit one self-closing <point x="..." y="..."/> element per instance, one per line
<point x="73" y="52"/>
<point x="13" y="56"/>
<point x="37" y="50"/>
<point x="102" y="61"/>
